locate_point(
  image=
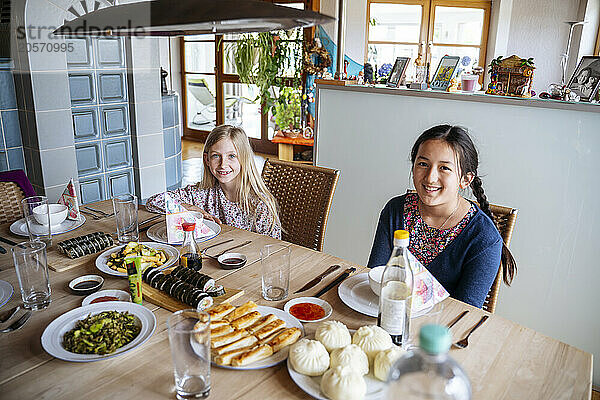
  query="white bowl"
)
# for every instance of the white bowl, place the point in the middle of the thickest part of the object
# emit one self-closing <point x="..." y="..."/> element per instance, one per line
<point x="314" y="300"/>
<point x="375" y="275"/>
<point x="119" y="294"/>
<point x="58" y="213"/>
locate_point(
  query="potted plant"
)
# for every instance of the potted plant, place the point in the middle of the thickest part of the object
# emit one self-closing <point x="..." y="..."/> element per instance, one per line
<point x="287" y="112"/>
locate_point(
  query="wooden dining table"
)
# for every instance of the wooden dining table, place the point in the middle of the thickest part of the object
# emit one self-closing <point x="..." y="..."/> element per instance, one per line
<point x="504" y="360"/>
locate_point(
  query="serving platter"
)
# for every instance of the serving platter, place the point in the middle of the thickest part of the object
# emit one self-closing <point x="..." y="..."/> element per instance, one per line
<point x="171" y="251"/>
<point x="54" y="332"/>
<point x="158" y="232"/>
<point x="281" y="355"/>
<point x="19" y="227"/>
<point x="312" y="384"/>
<point x="6" y="292"/>
<point x="356" y="293"/>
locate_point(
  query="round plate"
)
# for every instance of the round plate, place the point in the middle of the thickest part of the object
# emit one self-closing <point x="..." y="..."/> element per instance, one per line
<point x="120" y="294"/>
<point x="356" y="293"/>
<point x="19" y="227"/>
<point x="6" y="292"/>
<point x="158" y="232"/>
<point x="54" y="332"/>
<point x="281" y="355"/>
<point x="314" y="300"/>
<point x="171" y="251"/>
<point x="312" y="384"/>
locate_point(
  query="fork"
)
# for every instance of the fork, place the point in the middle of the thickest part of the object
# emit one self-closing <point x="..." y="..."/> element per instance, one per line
<point x="94" y="216"/>
<point x="20" y="322"/>
<point x="5" y="316"/>
<point x="461" y="344"/>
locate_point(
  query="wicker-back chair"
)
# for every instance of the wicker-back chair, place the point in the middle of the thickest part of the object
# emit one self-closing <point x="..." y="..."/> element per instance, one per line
<point x="504" y="218"/>
<point x="10" y="202"/>
<point x="304" y="194"/>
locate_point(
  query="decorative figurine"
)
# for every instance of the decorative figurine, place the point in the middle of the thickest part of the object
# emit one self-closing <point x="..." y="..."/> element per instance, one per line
<point x="163" y="81"/>
<point x="368" y="73"/>
<point x="512" y="76"/>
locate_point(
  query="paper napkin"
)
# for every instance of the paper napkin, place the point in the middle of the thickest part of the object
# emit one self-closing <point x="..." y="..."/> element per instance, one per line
<point x="69" y="199"/>
<point x="427" y="290"/>
<point x="177" y="215"/>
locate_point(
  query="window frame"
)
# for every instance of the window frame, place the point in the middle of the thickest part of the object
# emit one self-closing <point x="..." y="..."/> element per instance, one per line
<point x="427" y="26"/>
<point x="262" y="145"/>
<point x="597" y="51"/>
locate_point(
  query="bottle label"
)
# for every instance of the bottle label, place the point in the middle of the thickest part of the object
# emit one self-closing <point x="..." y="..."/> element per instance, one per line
<point x="394" y="299"/>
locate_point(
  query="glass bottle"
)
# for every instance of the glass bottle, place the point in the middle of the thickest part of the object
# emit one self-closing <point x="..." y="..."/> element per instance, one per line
<point x="395" y="297"/>
<point x="190" y="255"/>
<point x="429" y="372"/>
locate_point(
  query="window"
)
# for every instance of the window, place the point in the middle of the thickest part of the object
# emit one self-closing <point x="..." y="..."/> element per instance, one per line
<point x="430" y="28"/>
<point x="213" y="93"/>
<point x="598" y="43"/>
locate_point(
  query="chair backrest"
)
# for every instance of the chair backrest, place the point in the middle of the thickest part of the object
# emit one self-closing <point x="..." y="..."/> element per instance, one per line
<point x="504" y="219"/>
<point x="304" y="194"/>
<point x="10" y="202"/>
<point x="200" y="90"/>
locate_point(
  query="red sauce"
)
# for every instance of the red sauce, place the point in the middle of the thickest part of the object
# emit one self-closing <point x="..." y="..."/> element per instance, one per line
<point x="104" y="298"/>
<point x="307" y="311"/>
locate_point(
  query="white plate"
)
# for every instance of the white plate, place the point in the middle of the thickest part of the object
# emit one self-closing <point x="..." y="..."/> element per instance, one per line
<point x="6" y="292"/>
<point x="158" y="232"/>
<point x="120" y="294"/>
<point x="356" y="293"/>
<point x="171" y="251"/>
<point x="314" y="300"/>
<point x="281" y="355"/>
<point x="54" y="332"/>
<point x="312" y="384"/>
<point x="20" y="227"/>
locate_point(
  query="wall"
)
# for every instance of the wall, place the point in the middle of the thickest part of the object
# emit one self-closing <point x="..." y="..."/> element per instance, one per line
<point x="541" y="161"/>
<point x="11" y="146"/>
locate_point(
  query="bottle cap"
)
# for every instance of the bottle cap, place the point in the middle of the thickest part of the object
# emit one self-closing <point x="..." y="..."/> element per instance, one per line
<point x="435" y="339"/>
<point x="400" y="234"/>
<point x="188" y="226"/>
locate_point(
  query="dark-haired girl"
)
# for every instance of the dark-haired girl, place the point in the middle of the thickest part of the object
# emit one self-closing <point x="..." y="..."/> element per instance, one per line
<point x="451" y="236"/>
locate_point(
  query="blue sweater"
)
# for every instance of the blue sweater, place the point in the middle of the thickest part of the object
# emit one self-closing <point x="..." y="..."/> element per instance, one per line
<point x="467" y="267"/>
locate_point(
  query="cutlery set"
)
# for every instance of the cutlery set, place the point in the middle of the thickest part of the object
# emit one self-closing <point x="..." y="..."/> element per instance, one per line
<point x="5" y="316"/>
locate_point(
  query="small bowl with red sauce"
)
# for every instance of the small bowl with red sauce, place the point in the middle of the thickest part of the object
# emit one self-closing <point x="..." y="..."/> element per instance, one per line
<point x="106" y="295"/>
<point x="232" y="260"/>
<point x="86" y="284"/>
<point x="308" y="309"/>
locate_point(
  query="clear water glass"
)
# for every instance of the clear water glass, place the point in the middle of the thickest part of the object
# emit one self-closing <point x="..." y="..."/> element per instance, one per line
<point x="126" y="215"/>
<point x="31" y="267"/>
<point x="189" y="339"/>
<point x="37" y="205"/>
<point x="275" y="266"/>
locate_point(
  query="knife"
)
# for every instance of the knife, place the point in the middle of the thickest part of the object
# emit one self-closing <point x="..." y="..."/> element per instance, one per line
<point x="337" y="280"/>
<point x="5" y="316"/>
<point x="8" y="241"/>
<point x="150" y="219"/>
<point x="317" y="279"/>
<point x="20" y="322"/>
<point x="229" y="249"/>
<point x="105" y="214"/>
<point x="215" y="245"/>
<point x="2" y="250"/>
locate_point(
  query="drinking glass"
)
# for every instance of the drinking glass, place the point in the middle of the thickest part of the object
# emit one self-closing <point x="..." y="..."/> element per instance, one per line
<point x="32" y="272"/>
<point x="189" y="338"/>
<point x="275" y="265"/>
<point x="37" y="205"/>
<point x="126" y="214"/>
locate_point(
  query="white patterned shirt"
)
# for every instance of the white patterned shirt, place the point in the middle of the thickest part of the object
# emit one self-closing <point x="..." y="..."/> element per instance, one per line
<point x="214" y="202"/>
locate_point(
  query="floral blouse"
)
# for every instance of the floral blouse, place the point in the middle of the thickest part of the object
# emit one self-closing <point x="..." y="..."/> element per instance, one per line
<point x="214" y="202"/>
<point x="427" y="242"/>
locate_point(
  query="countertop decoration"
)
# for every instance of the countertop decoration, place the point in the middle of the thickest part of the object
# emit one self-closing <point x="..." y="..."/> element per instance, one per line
<point x="512" y="76"/>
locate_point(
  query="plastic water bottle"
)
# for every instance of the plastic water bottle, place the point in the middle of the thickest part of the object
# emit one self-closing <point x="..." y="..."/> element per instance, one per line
<point x="429" y="372"/>
<point x="395" y="298"/>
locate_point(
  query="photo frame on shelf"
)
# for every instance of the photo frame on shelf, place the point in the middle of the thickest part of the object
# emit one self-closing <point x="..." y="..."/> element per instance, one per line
<point x="398" y="71"/>
<point x="444" y="72"/>
<point x="585" y="80"/>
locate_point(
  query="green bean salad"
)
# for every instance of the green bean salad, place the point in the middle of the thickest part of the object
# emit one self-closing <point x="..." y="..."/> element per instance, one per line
<point x="101" y="333"/>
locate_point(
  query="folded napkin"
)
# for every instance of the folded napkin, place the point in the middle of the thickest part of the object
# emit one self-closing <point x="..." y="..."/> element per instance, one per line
<point x="177" y="215"/>
<point x="427" y="290"/>
<point x="69" y="199"/>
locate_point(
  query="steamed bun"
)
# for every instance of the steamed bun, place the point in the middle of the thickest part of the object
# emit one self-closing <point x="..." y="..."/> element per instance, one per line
<point x="350" y="355"/>
<point x="384" y="361"/>
<point x="372" y="339"/>
<point x="309" y="357"/>
<point x="333" y="335"/>
<point x="343" y="383"/>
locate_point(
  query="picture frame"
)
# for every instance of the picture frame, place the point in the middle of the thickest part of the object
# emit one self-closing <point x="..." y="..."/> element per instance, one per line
<point x="398" y="72"/>
<point x="585" y="80"/>
<point x="444" y="72"/>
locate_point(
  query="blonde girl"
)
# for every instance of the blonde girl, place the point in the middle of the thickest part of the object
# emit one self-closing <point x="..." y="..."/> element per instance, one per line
<point x="231" y="190"/>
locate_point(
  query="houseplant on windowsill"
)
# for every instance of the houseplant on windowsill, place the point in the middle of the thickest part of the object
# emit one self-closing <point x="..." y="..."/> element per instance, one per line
<point x="287" y="112"/>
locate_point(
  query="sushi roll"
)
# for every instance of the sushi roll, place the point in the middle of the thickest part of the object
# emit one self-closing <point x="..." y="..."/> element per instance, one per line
<point x="216" y="291"/>
<point x="146" y="273"/>
<point x="205" y="283"/>
<point x="158" y="280"/>
<point x="203" y="301"/>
